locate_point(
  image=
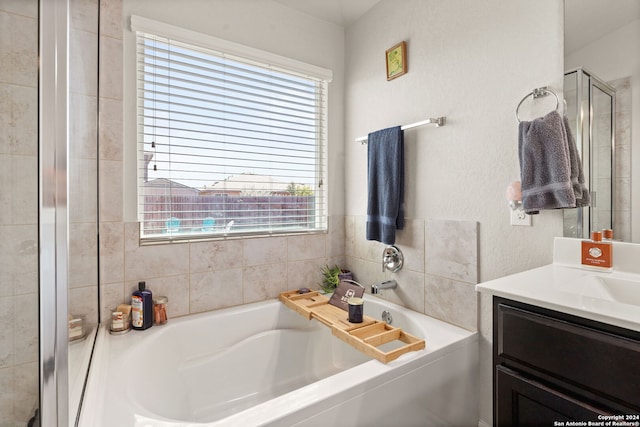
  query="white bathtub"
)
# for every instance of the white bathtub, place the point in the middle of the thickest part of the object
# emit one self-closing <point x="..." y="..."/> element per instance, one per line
<point x="264" y="365"/>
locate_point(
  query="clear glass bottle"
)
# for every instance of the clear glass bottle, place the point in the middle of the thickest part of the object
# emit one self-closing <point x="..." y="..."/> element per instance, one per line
<point x="160" y="310"/>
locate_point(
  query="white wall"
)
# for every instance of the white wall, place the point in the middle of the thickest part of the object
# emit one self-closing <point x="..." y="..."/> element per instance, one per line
<point x="612" y="57"/>
<point x="471" y="61"/>
<point x="260" y="24"/>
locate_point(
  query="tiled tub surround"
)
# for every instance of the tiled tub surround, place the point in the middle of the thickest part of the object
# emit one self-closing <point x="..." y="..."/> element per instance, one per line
<point x="440" y="270"/>
<point x="208" y="275"/>
<point x="201" y="276"/>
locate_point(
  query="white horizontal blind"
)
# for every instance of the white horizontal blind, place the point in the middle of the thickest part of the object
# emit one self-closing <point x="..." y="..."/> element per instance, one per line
<point x="226" y="146"/>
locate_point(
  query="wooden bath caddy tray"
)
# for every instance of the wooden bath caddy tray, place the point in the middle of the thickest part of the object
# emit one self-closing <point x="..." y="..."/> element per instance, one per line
<point x="369" y="336"/>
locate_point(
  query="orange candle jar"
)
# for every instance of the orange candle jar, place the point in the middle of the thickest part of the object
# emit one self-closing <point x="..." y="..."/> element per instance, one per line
<point x="160" y="310"/>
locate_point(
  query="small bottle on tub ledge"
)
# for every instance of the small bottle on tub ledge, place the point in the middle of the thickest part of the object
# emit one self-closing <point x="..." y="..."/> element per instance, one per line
<point x="596" y="253"/>
<point x="142" y="308"/>
<point x="160" y="310"/>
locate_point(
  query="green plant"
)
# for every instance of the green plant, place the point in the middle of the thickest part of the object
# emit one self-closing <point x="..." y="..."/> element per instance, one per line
<point x="299" y="190"/>
<point x="330" y="279"/>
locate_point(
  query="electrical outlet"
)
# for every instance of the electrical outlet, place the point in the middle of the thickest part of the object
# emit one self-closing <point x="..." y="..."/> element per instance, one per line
<point x="518" y="217"/>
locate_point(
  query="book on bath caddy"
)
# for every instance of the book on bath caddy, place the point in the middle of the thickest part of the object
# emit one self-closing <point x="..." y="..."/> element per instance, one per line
<point x="343" y="292"/>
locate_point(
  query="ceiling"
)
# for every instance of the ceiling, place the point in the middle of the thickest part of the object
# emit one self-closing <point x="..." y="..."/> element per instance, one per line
<point x="589" y="20"/>
<point x="340" y="12"/>
<point x="585" y="20"/>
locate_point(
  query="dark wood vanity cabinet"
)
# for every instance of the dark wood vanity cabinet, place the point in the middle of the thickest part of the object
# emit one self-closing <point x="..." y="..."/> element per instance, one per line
<point x="551" y="368"/>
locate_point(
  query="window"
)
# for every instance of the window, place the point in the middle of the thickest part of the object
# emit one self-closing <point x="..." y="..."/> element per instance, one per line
<point x="227" y="145"/>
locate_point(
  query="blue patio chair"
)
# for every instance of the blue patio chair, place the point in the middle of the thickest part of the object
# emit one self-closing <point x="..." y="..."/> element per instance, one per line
<point x="172" y="225"/>
<point x="208" y="223"/>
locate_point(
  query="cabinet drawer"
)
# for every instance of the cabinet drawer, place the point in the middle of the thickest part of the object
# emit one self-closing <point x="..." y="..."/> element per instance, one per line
<point x="599" y="362"/>
<point x="525" y="402"/>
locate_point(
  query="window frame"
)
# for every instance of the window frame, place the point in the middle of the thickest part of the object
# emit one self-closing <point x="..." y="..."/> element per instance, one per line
<point x="259" y="58"/>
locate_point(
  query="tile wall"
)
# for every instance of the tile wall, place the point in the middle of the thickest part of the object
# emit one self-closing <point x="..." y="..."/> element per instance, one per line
<point x="207" y="275"/>
<point x="622" y="208"/>
<point x="19" y="211"/>
<point x="440" y="270"/>
<point x="83" y="166"/>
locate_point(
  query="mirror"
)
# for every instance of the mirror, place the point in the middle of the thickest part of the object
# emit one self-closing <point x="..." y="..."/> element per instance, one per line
<point x="604" y="42"/>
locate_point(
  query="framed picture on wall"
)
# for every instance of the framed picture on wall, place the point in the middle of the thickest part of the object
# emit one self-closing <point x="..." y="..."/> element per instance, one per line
<point x="396" y="58"/>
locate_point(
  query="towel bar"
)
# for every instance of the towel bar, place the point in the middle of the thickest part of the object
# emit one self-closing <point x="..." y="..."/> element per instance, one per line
<point x="438" y="121"/>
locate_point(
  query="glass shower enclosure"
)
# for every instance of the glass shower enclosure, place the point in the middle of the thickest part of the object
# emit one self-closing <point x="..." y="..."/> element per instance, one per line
<point x="591" y="112"/>
<point x="49" y="92"/>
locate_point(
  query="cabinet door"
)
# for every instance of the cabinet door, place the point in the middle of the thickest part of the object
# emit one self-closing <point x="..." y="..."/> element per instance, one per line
<point x="522" y="401"/>
<point x="599" y="363"/>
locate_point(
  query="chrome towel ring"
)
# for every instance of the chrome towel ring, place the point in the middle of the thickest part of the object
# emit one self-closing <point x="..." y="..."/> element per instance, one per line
<point x="538" y="93"/>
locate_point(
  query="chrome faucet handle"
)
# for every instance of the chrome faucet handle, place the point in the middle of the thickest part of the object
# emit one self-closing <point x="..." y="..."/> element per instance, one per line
<point x="392" y="259"/>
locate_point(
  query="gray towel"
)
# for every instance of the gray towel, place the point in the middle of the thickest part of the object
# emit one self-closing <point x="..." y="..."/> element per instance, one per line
<point x="545" y="165"/>
<point x="577" y="175"/>
<point x="385" y="210"/>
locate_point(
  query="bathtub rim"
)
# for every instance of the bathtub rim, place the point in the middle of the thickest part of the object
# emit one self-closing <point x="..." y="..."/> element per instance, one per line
<point x="372" y="371"/>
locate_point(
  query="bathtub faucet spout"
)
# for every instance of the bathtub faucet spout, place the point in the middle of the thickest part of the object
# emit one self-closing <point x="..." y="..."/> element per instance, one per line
<point x="387" y="284"/>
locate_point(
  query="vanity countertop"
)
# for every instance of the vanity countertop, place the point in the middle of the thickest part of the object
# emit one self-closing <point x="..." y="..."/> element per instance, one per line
<point x="565" y="286"/>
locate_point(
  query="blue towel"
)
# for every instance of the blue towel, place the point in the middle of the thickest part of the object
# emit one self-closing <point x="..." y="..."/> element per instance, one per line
<point x="545" y="165"/>
<point x="385" y="210"/>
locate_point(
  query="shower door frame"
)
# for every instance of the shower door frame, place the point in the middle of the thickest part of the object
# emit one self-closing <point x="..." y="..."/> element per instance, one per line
<point x="611" y="92"/>
<point x="53" y="143"/>
<point x="593" y="81"/>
